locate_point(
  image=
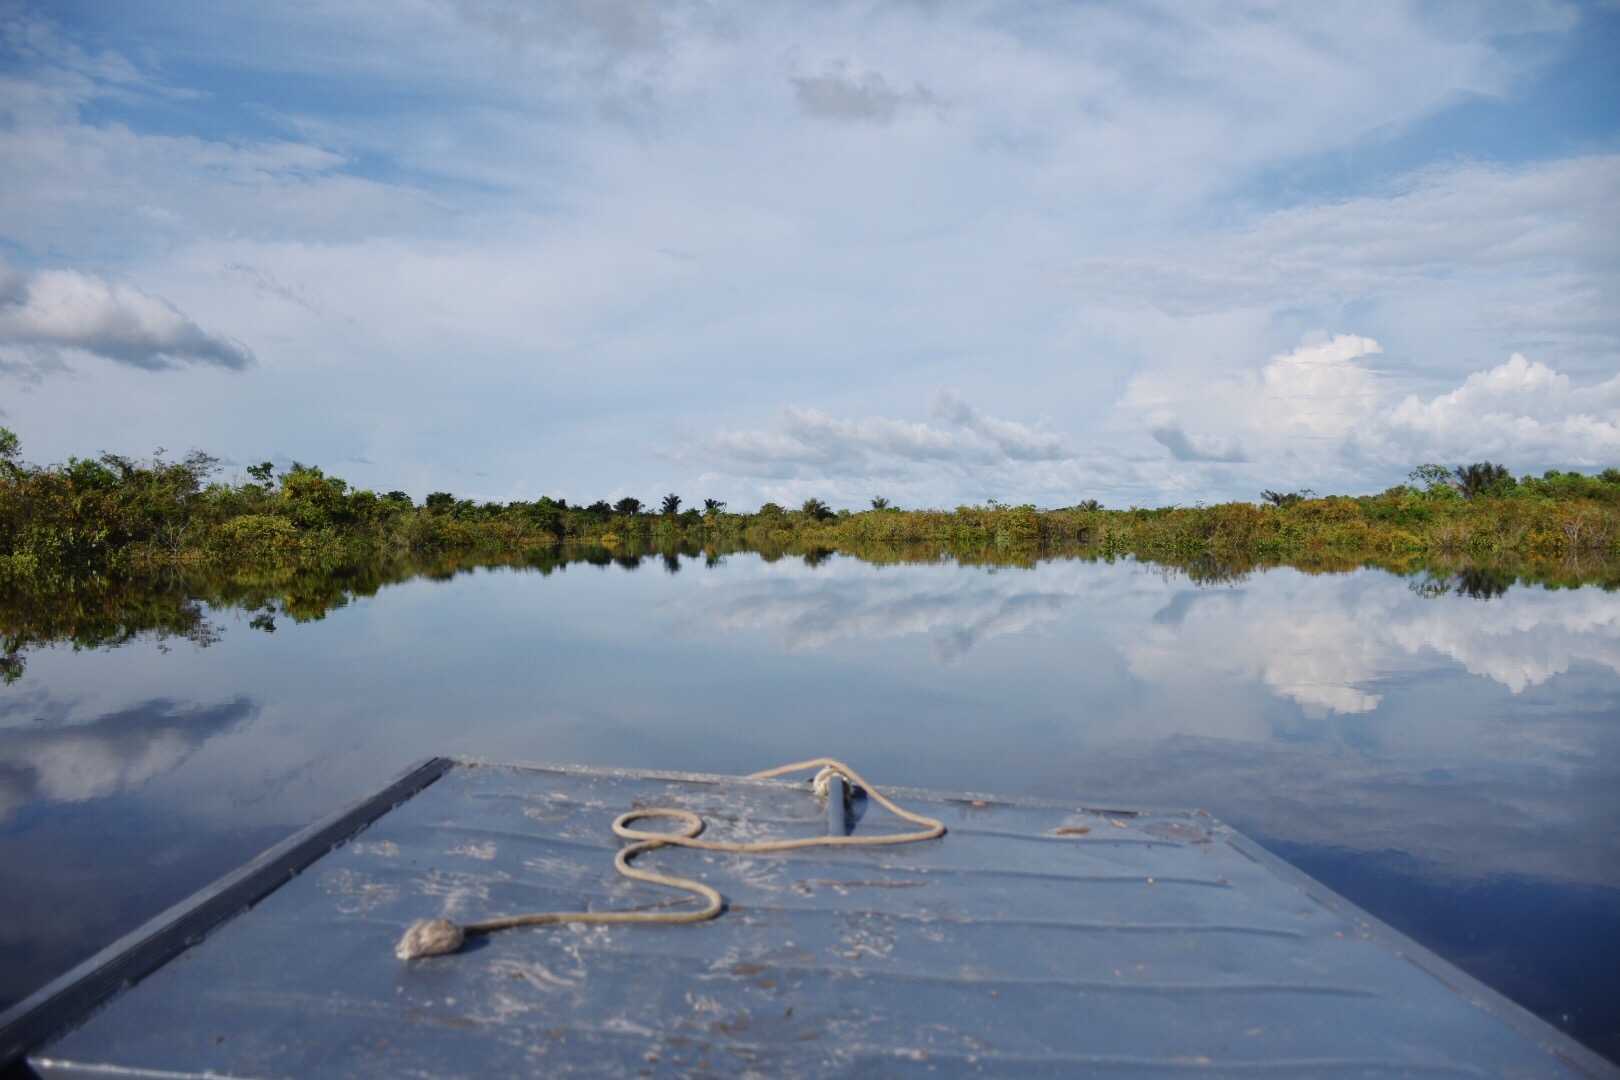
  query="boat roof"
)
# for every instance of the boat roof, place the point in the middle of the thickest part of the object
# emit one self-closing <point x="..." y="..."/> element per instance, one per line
<point x="1035" y="938"/>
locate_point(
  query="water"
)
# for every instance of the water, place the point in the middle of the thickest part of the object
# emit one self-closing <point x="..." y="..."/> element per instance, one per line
<point x="1447" y="757"/>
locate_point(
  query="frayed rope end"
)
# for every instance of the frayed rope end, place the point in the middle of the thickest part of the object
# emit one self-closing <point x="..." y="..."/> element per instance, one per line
<point x="430" y="937"/>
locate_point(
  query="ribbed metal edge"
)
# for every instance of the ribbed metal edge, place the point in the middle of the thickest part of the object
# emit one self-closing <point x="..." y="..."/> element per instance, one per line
<point x="1558" y="1045"/>
<point x="69" y="999"/>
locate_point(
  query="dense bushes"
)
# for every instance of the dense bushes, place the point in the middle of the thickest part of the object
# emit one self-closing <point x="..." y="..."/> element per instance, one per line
<point x="114" y="516"/>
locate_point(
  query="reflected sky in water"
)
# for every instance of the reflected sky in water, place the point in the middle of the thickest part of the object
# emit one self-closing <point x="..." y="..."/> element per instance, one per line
<point x="1451" y="762"/>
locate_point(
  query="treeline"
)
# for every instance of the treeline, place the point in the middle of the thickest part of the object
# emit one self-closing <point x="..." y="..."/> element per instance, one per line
<point x="112" y="515"/>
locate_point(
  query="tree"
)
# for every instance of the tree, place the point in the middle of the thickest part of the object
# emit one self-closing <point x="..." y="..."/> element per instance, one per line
<point x="627" y="505"/>
<point x="1432" y="476"/>
<point x="816" y="509"/>
<point x="439" y="502"/>
<point x="262" y="473"/>
<point x="713" y="506"/>
<point x="879" y="502"/>
<point x="671" y="505"/>
<point x="1286" y="498"/>
<point x="1088" y="504"/>
<point x="10" y="447"/>
<point x="1482" y="478"/>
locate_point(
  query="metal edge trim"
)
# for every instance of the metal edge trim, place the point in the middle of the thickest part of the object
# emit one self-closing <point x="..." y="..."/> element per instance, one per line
<point x="1555" y="1043"/>
<point x="70" y="998"/>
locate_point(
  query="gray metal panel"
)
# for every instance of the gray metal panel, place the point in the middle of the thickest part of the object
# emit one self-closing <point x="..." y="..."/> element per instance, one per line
<point x="1033" y="939"/>
<point x="67" y="999"/>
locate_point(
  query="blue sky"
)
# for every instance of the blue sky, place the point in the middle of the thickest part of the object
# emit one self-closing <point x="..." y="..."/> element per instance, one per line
<point x="1139" y="252"/>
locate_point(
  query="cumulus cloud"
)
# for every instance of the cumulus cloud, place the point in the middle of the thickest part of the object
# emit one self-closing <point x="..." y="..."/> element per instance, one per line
<point x="1166" y="431"/>
<point x="67" y="309"/>
<point x="1320" y="388"/>
<point x="867" y="98"/>
<point x="1013" y="439"/>
<point x="1518" y="410"/>
<point x="808" y="443"/>
<point x="1329" y="402"/>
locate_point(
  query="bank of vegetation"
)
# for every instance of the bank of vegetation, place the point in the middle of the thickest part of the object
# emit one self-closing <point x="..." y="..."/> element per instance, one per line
<point x="111" y="517"/>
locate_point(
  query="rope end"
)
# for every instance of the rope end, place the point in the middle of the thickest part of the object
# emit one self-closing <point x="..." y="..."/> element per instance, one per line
<point x="430" y="937"/>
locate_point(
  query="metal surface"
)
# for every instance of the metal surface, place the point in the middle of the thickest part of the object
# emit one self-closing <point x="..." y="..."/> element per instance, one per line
<point x="1033" y="940"/>
<point x="131" y="958"/>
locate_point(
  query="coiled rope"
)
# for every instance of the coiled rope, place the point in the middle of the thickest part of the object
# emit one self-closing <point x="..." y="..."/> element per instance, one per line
<point x="433" y="937"/>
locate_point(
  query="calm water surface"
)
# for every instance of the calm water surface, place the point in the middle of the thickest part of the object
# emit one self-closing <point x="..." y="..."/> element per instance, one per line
<point x="1451" y="763"/>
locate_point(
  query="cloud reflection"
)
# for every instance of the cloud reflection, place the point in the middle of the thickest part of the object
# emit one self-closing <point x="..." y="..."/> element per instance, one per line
<point x="1396" y="721"/>
<point x="845" y="600"/>
<point x="1326" y="643"/>
<point x="57" y="761"/>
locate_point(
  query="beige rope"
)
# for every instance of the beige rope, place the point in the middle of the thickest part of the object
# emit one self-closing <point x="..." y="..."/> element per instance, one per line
<point x="432" y="937"/>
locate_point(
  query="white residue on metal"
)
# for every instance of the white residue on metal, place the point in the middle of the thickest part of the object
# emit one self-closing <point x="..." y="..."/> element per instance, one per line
<point x="485" y="850"/>
<point x="356" y="893"/>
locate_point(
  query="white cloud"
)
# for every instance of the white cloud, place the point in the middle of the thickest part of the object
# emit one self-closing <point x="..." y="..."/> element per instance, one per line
<point x="1518" y="410"/>
<point x="493" y="181"/>
<point x="841" y="95"/>
<point x="1166" y="431"/>
<point x="808" y="444"/>
<point x="1423" y="230"/>
<point x="1319" y="389"/>
<point x="1013" y="439"/>
<point x="1327" y="413"/>
<point x="114" y="320"/>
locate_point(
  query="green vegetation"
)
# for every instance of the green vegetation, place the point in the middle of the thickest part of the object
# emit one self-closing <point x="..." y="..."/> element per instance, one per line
<point x="65" y="527"/>
<point x="105" y="551"/>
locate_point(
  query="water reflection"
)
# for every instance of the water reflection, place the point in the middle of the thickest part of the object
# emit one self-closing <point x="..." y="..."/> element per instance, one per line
<point x="811" y="609"/>
<point x="1384" y="733"/>
<point x="1327" y="643"/>
<point x="48" y="756"/>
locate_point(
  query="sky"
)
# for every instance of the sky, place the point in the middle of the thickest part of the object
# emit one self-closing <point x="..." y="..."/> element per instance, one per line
<point x="942" y="253"/>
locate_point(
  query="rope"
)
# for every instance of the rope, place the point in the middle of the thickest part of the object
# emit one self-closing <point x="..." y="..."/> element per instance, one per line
<point x="432" y="937"/>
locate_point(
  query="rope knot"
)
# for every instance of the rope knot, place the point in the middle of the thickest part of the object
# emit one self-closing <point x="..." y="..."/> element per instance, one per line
<point x="821" y="784"/>
<point x="430" y="937"/>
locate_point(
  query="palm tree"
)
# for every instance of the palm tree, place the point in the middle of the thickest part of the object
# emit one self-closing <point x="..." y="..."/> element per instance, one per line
<point x="671" y="505"/>
<point x="713" y="506"/>
<point x="627" y="505"/>
<point x="817" y="509"/>
<point x="1479" y="478"/>
<point x="879" y="502"/>
<point x="1286" y="498"/>
<point x="1088" y="504"/>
